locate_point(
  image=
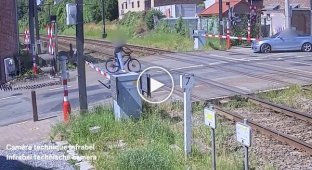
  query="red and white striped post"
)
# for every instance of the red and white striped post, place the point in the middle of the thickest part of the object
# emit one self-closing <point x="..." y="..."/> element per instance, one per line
<point x="66" y="103"/>
<point x="26" y="39"/>
<point x="228" y="38"/>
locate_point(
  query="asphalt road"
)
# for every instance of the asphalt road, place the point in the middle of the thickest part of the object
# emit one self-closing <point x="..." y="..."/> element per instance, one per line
<point x="237" y="70"/>
<point x="16" y="106"/>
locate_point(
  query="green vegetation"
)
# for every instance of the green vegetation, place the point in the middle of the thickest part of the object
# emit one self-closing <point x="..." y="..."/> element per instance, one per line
<point x="153" y="142"/>
<point x="92" y="12"/>
<point x="294" y="96"/>
<point x="237" y="102"/>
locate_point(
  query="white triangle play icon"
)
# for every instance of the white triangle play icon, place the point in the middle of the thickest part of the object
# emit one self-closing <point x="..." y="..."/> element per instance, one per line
<point x="155" y="85"/>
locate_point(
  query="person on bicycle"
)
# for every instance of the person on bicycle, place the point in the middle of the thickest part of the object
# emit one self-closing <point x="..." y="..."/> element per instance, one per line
<point x="118" y="54"/>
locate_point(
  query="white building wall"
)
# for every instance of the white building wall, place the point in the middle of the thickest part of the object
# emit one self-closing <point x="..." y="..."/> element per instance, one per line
<point x="208" y="3"/>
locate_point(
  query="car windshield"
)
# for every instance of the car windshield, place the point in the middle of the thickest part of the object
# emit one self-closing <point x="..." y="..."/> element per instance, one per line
<point x="275" y="35"/>
<point x="286" y="34"/>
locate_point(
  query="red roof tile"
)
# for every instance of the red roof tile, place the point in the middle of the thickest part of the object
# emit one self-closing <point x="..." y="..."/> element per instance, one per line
<point x="214" y="9"/>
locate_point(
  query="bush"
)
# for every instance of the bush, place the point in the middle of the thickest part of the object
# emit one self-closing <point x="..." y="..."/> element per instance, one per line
<point x="180" y="27"/>
<point x="131" y="18"/>
<point x="144" y="159"/>
<point x="163" y="26"/>
<point x="149" y="18"/>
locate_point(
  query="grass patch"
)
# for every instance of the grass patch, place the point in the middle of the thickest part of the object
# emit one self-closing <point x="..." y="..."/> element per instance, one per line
<point x="153" y="142"/>
<point x="295" y="97"/>
<point x="156" y="39"/>
<point x="238" y="102"/>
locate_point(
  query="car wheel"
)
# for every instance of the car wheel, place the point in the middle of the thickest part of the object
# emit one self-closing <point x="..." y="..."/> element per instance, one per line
<point x="307" y="47"/>
<point x="265" y="48"/>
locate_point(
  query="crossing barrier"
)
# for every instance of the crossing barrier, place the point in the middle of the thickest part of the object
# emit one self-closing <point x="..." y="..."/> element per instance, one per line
<point x="228" y="38"/>
<point x="27" y="85"/>
<point x="99" y="70"/>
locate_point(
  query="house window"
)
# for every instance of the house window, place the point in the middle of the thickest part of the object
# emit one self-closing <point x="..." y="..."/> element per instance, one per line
<point x="122" y="6"/>
<point x="126" y="5"/>
<point x="132" y="4"/>
<point x="138" y="4"/>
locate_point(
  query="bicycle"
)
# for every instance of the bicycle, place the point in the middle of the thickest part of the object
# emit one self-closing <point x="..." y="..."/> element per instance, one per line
<point x="112" y="64"/>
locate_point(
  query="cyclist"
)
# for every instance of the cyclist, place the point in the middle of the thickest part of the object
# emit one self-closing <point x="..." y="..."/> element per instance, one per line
<point x="118" y="54"/>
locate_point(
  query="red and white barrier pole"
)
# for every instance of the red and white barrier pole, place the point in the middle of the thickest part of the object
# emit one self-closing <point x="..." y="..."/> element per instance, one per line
<point x="66" y="103"/>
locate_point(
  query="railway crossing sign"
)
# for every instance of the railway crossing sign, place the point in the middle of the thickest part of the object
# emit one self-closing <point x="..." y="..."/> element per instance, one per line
<point x="210" y="117"/>
<point x="243" y="134"/>
<point x="186" y="81"/>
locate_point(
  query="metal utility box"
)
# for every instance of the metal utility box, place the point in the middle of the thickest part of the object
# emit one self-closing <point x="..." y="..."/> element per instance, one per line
<point x="9" y="68"/>
<point x="199" y="39"/>
<point x="127" y="101"/>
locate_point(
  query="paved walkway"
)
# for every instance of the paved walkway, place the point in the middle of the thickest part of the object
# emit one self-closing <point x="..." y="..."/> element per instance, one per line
<point x="27" y="132"/>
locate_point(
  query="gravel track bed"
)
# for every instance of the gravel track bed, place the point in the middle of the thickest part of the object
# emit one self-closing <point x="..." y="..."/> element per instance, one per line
<point x="280" y="122"/>
<point x="270" y="150"/>
<point x="280" y="155"/>
<point x="34" y="164"/>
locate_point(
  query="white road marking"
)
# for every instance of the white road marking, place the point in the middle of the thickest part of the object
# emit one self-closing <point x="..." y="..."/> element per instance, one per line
<point x="199" y="85"/>
<point x="181" y="68"/>
<point x="220" y="56"/>
<point x="298" y="62"/>
<point x="217" y="63"/>
<point x="58" y="88"/>
<point x="286" y="68"/>
<point x="5" y="98"/>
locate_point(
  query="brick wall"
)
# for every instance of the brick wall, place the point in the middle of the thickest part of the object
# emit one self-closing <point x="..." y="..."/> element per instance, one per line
<point x="171" y="2"/>
<point x="8" y="33"/>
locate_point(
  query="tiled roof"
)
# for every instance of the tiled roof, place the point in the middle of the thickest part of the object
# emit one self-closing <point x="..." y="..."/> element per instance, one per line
<point x="214" y="9"/>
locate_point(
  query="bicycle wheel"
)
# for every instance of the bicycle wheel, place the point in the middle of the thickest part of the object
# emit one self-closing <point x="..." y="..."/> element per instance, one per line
<point x="112" y="65"/>
<point x="134" y="65"/>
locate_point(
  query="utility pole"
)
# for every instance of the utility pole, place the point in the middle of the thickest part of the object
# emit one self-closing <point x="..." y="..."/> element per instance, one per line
<point x="81" y="59"/>
<point x="287" y="15"/>
<point x="32" y="34"/>
<point x="37" y="27"/>
<point x="220" y="18"/>
<point x="104" y="35"/>
<point x="221" y="23"/>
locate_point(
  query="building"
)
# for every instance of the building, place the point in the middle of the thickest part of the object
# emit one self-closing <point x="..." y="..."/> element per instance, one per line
<point x="273" y="18"/>
<point x="8" y="34"/>
<point x="271" y="12"/>
<point x="125" y="6"/>
<point x="170" y="8"/>
<point x="239" y="7"/>
<point x="179" y="8"/>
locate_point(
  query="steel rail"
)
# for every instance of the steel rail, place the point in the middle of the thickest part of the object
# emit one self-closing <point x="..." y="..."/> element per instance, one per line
<point x="281" y="109"/>
<point x="294" y="142"/>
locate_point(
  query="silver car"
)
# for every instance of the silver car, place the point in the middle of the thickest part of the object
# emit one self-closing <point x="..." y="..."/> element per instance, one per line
<point x="287" y="40"/>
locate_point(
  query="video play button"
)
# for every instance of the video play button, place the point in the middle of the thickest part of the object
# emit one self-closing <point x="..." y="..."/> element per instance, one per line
<point x="155" y="85"/>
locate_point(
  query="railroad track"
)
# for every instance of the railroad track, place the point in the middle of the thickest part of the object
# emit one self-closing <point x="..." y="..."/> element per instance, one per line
<point x="289" y="139"/>
<point x="276" y="134"/>
<point x="136" y="48"/>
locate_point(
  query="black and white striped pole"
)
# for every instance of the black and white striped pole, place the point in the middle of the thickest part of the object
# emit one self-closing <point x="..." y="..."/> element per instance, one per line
<point x="187" y="83"/>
